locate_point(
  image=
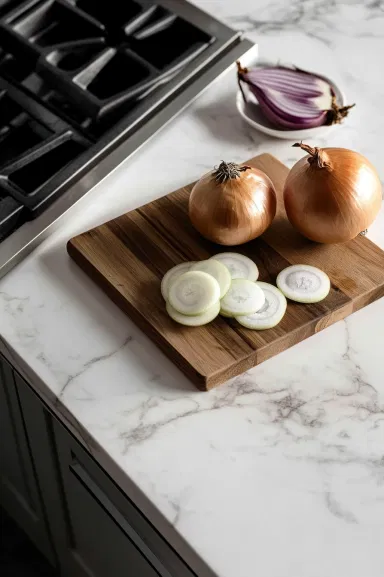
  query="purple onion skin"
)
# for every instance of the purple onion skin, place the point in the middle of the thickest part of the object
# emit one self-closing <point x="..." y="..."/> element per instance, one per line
<point x="271" y="114"/>
<point x="256" y="76"/>
<point x="271" y="111"/>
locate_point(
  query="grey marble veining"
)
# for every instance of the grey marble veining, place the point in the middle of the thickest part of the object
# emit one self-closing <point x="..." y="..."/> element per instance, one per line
<point x="280" y="472"/>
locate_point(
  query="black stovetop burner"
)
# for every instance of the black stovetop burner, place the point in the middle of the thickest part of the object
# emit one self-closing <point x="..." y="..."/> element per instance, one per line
<point x="78" y="77"/>
<point x="69" y="71"/>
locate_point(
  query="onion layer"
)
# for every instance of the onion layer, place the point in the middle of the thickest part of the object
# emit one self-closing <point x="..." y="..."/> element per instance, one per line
<point x="291" y="98"/>
<point x="332" y="194"/>
<point x="233" y="204"/>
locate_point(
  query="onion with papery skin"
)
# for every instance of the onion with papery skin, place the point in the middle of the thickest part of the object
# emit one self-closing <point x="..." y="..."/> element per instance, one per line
<point x="332" y="195"/>
<point x="232" y="204"/>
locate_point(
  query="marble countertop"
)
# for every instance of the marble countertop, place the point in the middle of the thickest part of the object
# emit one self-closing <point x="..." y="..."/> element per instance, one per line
<point x="280" y="472"/>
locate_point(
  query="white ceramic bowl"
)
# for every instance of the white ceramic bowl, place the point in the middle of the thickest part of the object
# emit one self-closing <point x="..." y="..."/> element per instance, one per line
<point x="252" y="114"/>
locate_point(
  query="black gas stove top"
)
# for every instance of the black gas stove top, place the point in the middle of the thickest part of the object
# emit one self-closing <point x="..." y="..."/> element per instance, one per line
<point x="80" y="77"/>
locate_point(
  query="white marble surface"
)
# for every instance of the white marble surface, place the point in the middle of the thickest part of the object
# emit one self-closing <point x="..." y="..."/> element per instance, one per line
<point x="280" y="473"/>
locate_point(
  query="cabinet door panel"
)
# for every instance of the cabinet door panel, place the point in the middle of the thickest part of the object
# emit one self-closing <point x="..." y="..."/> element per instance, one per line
<point x="142" y="533"/>
<point x="101" y="533"/>
<point x="39" y="425"/>
<point x="19" y="489"/>
<point x="102" y="540"/>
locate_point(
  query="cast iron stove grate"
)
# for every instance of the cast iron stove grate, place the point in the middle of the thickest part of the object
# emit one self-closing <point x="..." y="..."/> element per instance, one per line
<point x="69" y="71"/>
<point x="83" y="84"/>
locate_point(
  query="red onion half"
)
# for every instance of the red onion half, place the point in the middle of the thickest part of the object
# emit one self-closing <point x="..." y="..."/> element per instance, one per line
<point x="292" y="98"/>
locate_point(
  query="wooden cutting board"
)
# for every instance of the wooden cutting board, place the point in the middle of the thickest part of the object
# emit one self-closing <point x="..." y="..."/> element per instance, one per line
<point x="128" y="256"/>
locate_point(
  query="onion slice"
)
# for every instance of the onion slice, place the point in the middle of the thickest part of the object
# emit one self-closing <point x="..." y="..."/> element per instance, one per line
<point x="243" y="298"/>
<point x="196" y="320"/>
<point x="303" y="283"/>
<point x="193" y="293"/>
<point x="239" y="265"/>
<point x="171" y="275"/>
<point x="219" y="272"/>
<point x="270" y="313"/>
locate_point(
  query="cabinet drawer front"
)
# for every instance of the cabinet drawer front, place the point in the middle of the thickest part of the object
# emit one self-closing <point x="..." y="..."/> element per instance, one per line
<point x="100" y="533"/>
<point x="82" y="474"/>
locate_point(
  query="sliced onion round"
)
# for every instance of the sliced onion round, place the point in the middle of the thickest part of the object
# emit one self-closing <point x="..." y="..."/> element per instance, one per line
<point x="304" y="283"/>
<point x="218" y="270"/>
<point x="243" y="298"/>
<point x="172" y="275"/>
<point x="193" y="293"/>
<point x="239" y="266"/>
<point x="270" y="313"/>
<point x="196" y="320"/>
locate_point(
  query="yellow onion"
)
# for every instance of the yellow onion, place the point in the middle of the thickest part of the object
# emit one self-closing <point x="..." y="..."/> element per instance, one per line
<point x="332" y="194"/>
<point x="232" y="204"/>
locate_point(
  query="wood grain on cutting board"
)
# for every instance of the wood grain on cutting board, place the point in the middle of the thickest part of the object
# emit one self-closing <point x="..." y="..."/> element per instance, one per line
<point x="128" y="256"/>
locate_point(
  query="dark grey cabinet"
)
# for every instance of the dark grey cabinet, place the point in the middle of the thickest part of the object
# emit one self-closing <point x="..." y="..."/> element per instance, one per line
<point x="100" y="536"/>
<point x="20" y="493"/>
<point x="39" y="425"/>
<point x="109" y="534"/>
<point x="74" y="512"/>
